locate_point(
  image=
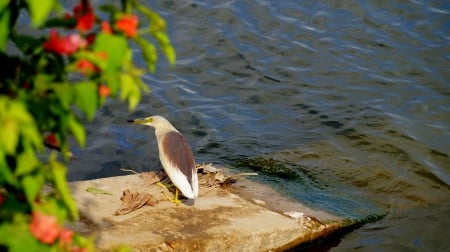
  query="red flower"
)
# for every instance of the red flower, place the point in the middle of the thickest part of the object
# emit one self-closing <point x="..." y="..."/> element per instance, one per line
<point x="86" y="67"/>
<point x="104" y="90"/>
<point x="44" y="227"/>
<point x="65" y="238"/>
<point x="84" y="14"/>
<point x="128" y="25"/>
<point x="51" y="141"/>
<point x="90" y="38"/>
<point x="85" y="22"/>
<point x="63" y="45"/>
<point x="80" y="9"/>
<point x="2" y="198"/>
<point x="105" y="27"/>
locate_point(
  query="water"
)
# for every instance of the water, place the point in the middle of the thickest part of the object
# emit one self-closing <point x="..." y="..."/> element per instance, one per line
<point x="345" y="103"/>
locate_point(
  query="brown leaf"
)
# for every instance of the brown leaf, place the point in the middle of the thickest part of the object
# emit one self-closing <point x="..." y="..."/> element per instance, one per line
<point x="153" y="177"/>
<point x="132" y="201"/>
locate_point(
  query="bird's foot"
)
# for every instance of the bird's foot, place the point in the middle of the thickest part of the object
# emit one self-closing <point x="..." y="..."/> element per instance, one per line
<point x="170" y="187"/>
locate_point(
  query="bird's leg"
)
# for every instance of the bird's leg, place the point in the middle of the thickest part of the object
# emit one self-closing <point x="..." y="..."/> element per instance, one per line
<point x="175" y="199"/>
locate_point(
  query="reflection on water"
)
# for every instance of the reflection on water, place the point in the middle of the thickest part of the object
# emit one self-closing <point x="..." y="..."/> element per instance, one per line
<point x="343" y="105"/>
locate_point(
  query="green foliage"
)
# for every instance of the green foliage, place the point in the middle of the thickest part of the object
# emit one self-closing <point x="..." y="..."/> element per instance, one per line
<point x="16" y="237"/>
<point x="54" y="83"/>
<point x="149" y="52"/>
<point x="39" y="10"/>
<point x="5" y="14"/>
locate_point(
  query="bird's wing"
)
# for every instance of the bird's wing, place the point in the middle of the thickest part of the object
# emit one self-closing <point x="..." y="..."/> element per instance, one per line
<point x="178" y="152"/>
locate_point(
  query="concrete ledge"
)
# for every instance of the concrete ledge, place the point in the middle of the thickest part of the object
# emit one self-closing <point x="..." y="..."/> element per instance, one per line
<point x="245" y="217"/>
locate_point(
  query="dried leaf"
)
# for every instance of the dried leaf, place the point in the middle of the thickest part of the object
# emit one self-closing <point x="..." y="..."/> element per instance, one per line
<point x="133" y="201"/>
<point x="153" y="177"/>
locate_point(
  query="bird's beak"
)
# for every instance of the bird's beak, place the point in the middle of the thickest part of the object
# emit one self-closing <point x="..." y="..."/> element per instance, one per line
<point x="137" y="121"/>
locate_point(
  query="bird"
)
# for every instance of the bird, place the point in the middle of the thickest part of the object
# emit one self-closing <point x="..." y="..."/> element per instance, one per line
<point x="175" y="155"/>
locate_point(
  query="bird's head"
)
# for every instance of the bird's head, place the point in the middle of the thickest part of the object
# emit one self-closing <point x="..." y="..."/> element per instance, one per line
<point x="156" y="121"/>
<point x="144" y="121"/>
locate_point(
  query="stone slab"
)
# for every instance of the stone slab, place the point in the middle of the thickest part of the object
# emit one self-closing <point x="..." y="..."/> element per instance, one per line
<point x="246" y="216"/>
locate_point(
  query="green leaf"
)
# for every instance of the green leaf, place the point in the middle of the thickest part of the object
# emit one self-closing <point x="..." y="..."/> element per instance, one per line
<point x="124" y="248"/>
<point x="6" y="175"/>
<point x="149" y="52"/>
<point x="51" y="204"/>
<point x="3" y="4"/>
<point x="5" y="15"/>
<point x="169" y="51"/>
<point x="111" y="9"/>
<point x="64" y="92"/>
<point x="32" y="136"/>
<point x="9" y="135"/>
<point x="42" y="79"/>
<point x="86" y="98"/>
<point x="17" y="120"/>
<point x="60" y="22"/>
<point x="77" y="129"/>
<point x="26" y="162"/>
<point x="112" y="78"/>
<point x="114" y="46"/>
<point x="167" y="48"/>
<point x="27" y="44"/>
<point x="161" y="37"/>
<point x="129" y="90"/>
<point x="157" y="23"/>
<point x="32" y="185"/>
<point x="95" y="190"/>
<point x="19" y="111"/>
<point x="16" y="236"/>
<point x="58" y="171"/>
<point x="39" y="10"/>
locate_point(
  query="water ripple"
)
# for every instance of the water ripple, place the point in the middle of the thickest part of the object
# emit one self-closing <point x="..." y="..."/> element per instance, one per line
<point x="352" y="95"/>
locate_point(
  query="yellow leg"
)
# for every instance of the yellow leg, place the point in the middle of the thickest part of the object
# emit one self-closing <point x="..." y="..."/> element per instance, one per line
<point x="175" y="199"/>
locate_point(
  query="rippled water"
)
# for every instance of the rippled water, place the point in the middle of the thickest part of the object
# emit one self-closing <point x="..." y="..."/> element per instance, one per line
<point x="343" y="105"/>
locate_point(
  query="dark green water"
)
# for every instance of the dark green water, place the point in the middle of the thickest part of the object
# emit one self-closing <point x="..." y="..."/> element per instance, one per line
<point x="343" y="105"/>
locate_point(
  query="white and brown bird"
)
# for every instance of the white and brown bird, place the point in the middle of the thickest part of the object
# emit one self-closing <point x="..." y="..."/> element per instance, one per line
<point x="175" y="155"/>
